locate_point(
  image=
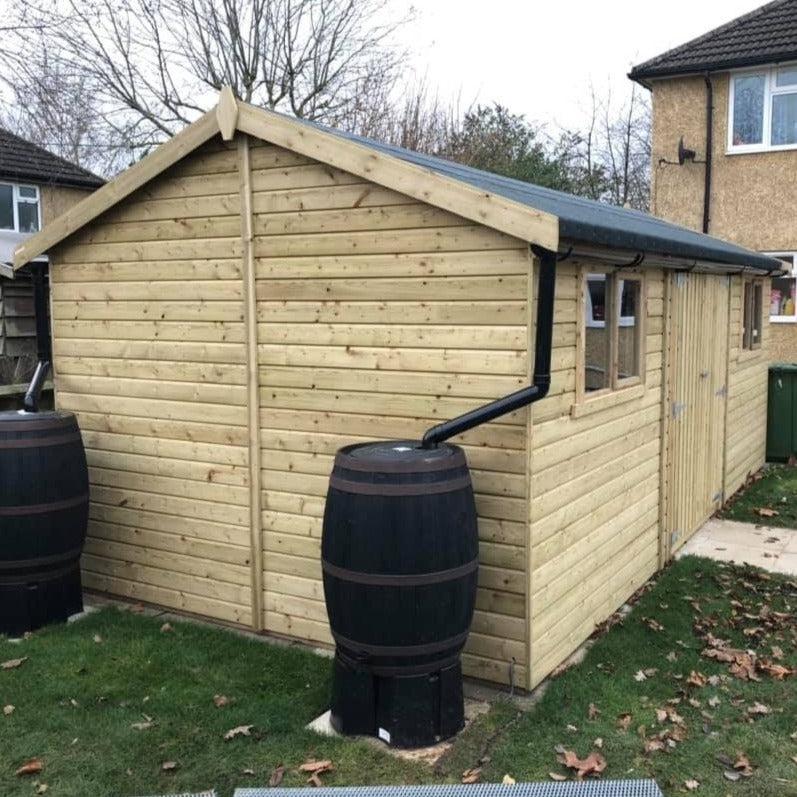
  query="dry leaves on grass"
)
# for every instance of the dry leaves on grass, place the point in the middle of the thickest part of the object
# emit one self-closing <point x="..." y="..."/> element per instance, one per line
<point x="277" y="774"/>
<point x="220" y="700"/>
<point x="144" y="725"/>
<point x="765" y="511"/>
<point x="315" y="770"/>
<point x="472" y="775"/>
<point x="508" y="780"/>
<point x="239" y="730"/>
<point x="41" y="788"/>
<point x="169" y="766"/>
<point x="696" y="679"/>
<point x="758" y="709"/>
<point x="8" y="710"/>
<point x="12" y="664"/>
<point x="167" y="628"/>
<point x="32" y="767"/>
<point x="691" y="784"/>
<point x="593" y="764"/>
<point x="593" y="711"/>
<point x="624" y="721"/>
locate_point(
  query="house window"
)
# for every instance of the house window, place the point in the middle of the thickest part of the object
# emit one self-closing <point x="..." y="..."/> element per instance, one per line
<point x="763" y="110"/>
<point x="612" y="334"/>
<point x="783" y="295"/>
<point x="751" y="315"/>
<point x="19" y="207"/>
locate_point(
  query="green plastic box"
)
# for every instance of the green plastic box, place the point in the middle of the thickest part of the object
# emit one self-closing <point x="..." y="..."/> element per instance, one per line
<point x="782" y="412"/>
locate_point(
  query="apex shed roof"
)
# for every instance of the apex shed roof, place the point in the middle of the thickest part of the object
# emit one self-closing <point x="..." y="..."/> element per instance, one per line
<point x="539" y="215"/>
<point x="764" y="36"/>
<point x="22" y="160"/>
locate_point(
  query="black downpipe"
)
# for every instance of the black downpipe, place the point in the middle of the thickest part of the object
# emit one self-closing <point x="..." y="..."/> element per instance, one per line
<point x="43" y="344"/>
<point x="709" y="149"/>
<point x="538" y="389"/>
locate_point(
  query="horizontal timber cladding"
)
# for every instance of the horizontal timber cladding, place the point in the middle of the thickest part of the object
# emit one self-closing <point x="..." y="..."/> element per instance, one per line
<point x="148" y="328"/>
<point x="594" y="486"/>
<point x="747" y="394"/>
<point x="377" y="317"/>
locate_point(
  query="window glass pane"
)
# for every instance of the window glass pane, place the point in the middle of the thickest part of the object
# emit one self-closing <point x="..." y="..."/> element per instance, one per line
<point x="28" y="192"/>
<point x="748" y="109"/>
<point x="6" y="207"/>
<point x="755" y="335"/>
<point x="596" y="336"/>
<point x="786" y="76"/>
<point x="782" y="297"/>
<point x="784" y="119"/>
<point x="28" y="213"/>
<point x="628" y="338"/>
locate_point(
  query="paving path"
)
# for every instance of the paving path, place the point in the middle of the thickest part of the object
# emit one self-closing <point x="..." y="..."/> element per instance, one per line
<point x="772" y="549"/>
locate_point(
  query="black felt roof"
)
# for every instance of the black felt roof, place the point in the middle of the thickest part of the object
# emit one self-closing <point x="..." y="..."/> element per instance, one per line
<point x="587" y="221"/>
<point x="766" y="35"/>
<point x="21" y="160"/>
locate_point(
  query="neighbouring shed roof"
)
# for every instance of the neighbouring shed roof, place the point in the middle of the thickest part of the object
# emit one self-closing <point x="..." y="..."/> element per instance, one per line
<point x="22" y="160"/>
<point x="766" y="35"/>
<point x="539" y="215"/>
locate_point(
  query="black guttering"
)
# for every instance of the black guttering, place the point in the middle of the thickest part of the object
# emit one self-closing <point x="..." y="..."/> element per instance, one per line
<point x="43" y="343"/>
<point x="541" y="381"/>
<point x="709" y="151"/>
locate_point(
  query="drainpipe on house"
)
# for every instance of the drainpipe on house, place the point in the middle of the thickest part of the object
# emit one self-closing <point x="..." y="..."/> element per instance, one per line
<point x="709" y="148"/>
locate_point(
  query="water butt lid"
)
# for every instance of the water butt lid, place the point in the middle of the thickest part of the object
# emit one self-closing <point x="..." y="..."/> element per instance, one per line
<point x="400" y="455"/>
<point x="18" y="416"/>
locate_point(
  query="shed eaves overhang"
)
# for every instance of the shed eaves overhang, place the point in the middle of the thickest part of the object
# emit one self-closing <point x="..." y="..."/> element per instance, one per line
<point x="531" y="213"/>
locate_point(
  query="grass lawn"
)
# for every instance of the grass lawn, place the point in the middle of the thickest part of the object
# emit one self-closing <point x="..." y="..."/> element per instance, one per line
<point x="775" y="490"/>
<point x="83" y="688"/>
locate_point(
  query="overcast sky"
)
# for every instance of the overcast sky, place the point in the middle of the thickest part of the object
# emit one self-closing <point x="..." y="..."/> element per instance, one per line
<point x="539" y="56"/>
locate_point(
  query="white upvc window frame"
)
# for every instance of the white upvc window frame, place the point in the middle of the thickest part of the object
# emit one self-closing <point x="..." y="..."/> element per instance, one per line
<point x="16" y="199"/>
<point x="770" y="90"/>
<point x="792" y="275"/>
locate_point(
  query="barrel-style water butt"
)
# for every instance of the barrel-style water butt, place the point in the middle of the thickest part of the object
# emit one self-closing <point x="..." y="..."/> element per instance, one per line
<point x="44" y="500"/>
<point x="400" y="560"/>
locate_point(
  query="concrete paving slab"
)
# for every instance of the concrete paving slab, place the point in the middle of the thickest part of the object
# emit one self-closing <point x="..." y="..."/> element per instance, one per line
<point x="767" y="547"/>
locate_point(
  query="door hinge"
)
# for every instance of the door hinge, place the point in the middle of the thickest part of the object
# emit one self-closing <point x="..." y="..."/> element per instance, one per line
<point x="678" y="409"/>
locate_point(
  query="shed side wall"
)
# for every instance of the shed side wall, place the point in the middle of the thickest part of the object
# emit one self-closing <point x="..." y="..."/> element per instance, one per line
<point x="148" y="341"/>
<point x="594" y="489"/>
<point x="378" y="317"/>
<point x="747" y="394"/>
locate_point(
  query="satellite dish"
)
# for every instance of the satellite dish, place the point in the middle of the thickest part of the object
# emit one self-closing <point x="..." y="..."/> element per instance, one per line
<point x="684" y="153"/>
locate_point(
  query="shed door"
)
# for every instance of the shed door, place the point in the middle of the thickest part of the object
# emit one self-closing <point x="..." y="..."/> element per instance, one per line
<point x="695" y="397"/>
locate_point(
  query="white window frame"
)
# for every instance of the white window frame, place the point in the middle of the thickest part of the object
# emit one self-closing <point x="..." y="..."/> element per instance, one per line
<point x="770" y="90"/>
<point x="792" y="275"/>
<point x="16" y="199"/>
<point x="591" y="321"/>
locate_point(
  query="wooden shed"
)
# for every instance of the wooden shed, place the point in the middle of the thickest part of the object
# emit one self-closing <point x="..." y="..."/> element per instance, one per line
<point x="260" y="291"/>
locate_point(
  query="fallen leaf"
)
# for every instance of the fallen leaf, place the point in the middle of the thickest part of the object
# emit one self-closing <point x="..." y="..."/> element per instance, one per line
<point x="672" y="656"/>
<point x="8" y="710"/>
<point x="593" y="764"/>
<point x="758" y="709"/>
<point x="169" y="766"/>
<point x="661" y="715"/>
<point x="696" y="679"/>
<point x="714" y="701"/>
<point x="316" y="766"/>
<point x="692" y="784"/>
<point x="598" y="742"/>
<point x="764" y="511"/>
<point x="239" y="730"/>
<point x="12" y="664"/>
<point x="166" y="628"/>
<point x="471" y="775"/>
<point x="41" y="788"/>
<point x="640" y="676"/>
<point x="777" y="671"/>
<point x="508" y="780"/>
<point x="247" y="771"/>
<point x="32" y="767"/>
<point x="572" y="728"/>
<point x="557" y="776"/>
<point x="593" y="711"/>
<point x="654" y="625"/>
<point x="732" y="775"/>
<point x="777" y="652"/>
<point x="624" y="722"/>
<point x="142" y="726"/>
<point x="220" y="700"/>
<point x="97" y="638"/>
<point x="315" y="781"/>
<point x="276" y="776"/>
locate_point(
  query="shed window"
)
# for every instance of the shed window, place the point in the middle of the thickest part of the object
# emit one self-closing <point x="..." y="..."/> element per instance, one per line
<point x="611" y="336"/>
<point x="763" y="110"/>
<point x="783" y="296"/>
<point x="751" y="316"/>
<point x="19" y="207"/>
